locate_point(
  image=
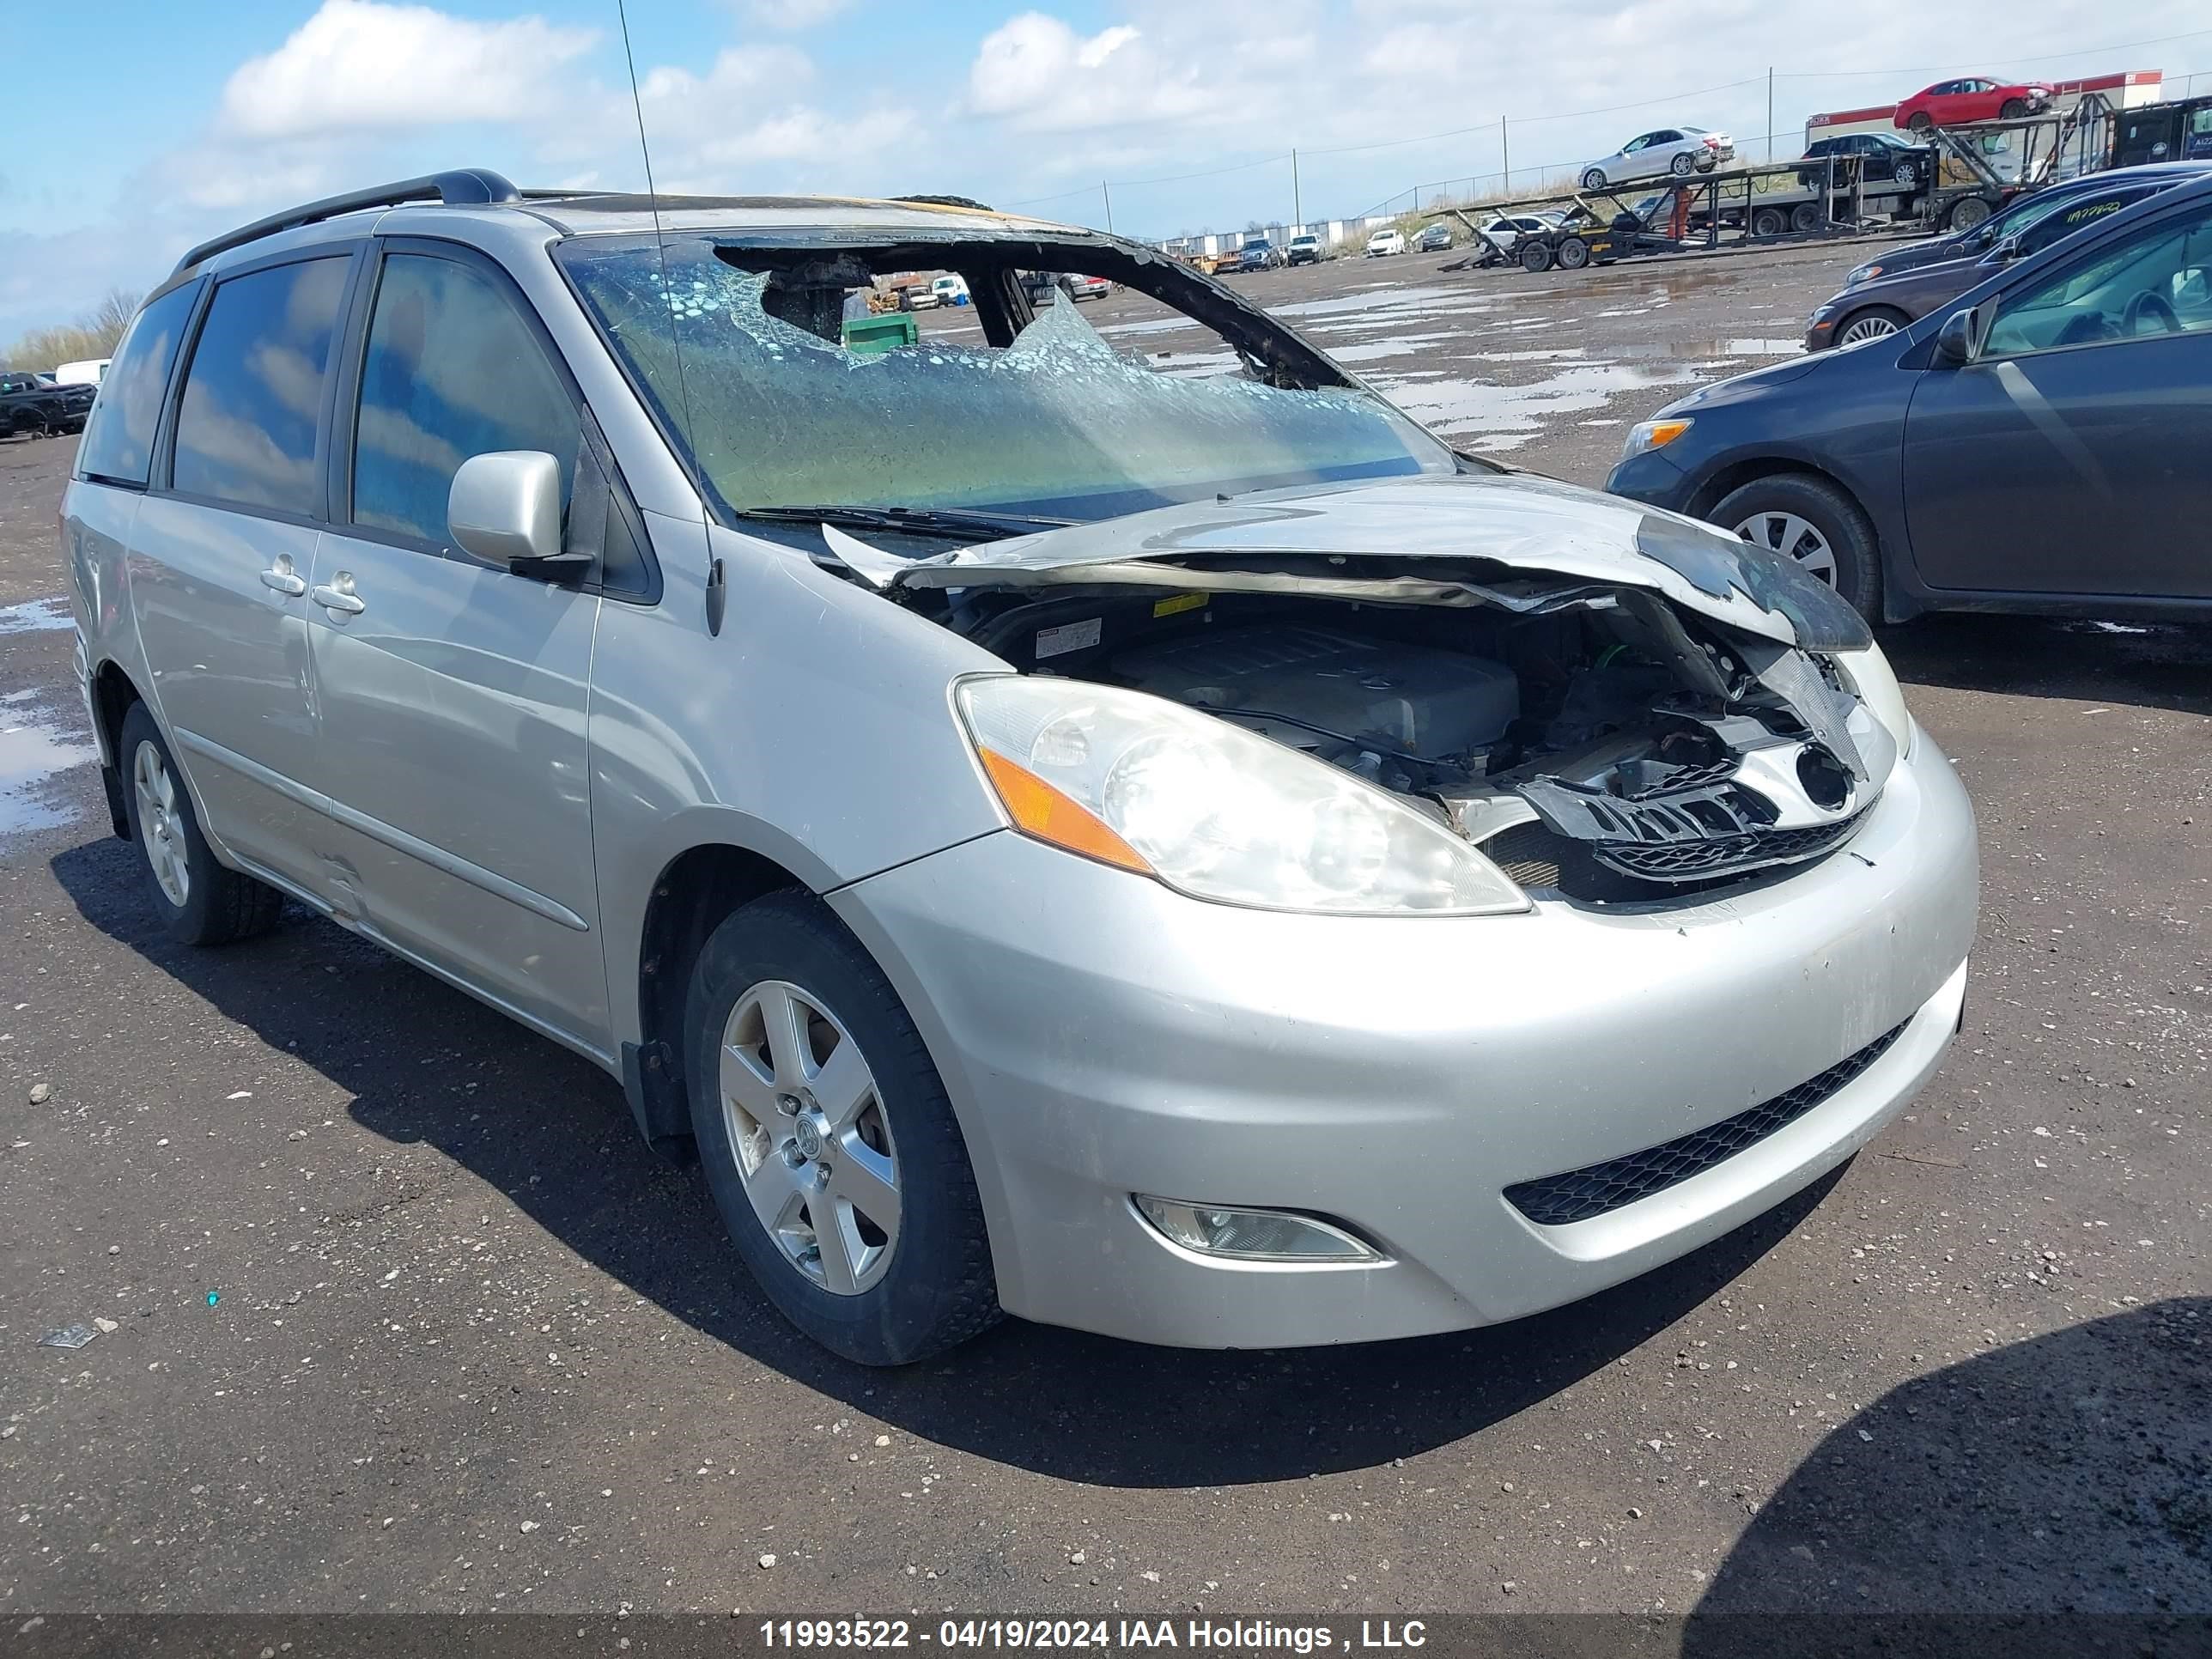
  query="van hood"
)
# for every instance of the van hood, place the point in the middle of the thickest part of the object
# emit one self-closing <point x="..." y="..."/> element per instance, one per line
<point x="1514" y="540"/>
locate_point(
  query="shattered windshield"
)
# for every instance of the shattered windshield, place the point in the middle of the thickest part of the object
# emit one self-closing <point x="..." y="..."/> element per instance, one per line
<point x="851" y="410"/>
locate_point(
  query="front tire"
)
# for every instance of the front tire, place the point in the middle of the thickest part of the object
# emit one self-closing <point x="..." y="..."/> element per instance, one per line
<point x="1919" y="121"/>
<point x="1681" y="166"/>
<point x="199" y="902"/>
<point x="1812" y="521"/>
<point x="1535" y="259"/>
<point x="2011" y="110"/>
<point x="1874" y="323"/>
<point x="1966" y="212"/>
<point x="1574" y="253"/>
<point x="828" y="1140"/>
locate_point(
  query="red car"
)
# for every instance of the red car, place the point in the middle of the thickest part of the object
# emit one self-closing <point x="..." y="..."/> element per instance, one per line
<point x="1948" y="103"/>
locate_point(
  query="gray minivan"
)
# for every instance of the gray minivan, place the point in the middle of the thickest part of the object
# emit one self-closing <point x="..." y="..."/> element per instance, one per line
<point x="1190" y="857"/>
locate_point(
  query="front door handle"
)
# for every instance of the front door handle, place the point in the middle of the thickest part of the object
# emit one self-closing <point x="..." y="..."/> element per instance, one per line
<point x="285" y="580"/>
<point x="337" y="596"/>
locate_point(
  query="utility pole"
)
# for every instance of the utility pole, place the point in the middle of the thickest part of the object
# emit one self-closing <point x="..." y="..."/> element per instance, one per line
<point x="1298" y="207"/>
<point x="1506" y="144"/>
<point x="1108" y="196"/>
<point x="1770" y="112"/>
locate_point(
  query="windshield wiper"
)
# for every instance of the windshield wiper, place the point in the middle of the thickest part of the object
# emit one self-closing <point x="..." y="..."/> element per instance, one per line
<point x="954" y="523"/>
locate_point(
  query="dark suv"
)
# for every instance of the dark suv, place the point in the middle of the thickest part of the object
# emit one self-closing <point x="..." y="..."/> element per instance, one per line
<point x="32" y="404"/>
<point x="1882" y="158"/>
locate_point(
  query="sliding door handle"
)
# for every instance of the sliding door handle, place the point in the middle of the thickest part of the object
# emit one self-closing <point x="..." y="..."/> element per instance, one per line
<point x="337" y="596"/>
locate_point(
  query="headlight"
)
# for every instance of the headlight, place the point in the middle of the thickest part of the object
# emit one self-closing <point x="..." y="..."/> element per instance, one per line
<point x="1647" y="435"/>
<point x="1878" y="688"/>
<point x="1862" y="274"/>
<point x="1212" y="810"/>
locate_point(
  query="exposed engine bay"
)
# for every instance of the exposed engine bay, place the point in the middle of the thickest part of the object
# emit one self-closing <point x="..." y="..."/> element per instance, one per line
<point x="1614" y="751"/>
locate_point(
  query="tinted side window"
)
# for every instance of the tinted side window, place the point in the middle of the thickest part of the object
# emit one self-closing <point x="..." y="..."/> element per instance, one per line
<point x="2067" y="220"/>
<point x="253" y="393"/>
<point x="2155" y="282"/>
<point x="452" y="372"/>
<point x="118" y="444"/>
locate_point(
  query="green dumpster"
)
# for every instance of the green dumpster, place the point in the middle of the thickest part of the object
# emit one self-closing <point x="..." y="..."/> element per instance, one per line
<point x="872" y="337"/>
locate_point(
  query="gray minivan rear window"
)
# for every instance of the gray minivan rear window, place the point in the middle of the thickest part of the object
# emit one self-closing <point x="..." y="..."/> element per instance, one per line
<point x="253" y="392"/>
<point x="118" y="445"/>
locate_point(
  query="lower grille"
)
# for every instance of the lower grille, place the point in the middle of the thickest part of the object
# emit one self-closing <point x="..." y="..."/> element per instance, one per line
<point x="1600" y="1189"/>
<point x="1680" y="861"/>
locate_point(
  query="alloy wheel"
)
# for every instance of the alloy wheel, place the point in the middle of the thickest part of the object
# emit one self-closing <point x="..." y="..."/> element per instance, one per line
<point x="161" y="828"/>
<point x="1794" y="538"/>
<point x="1865" y="328"/>
<point x="810" y="1137"/>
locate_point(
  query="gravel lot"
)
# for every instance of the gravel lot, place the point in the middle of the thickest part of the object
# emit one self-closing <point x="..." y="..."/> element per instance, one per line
<point x="401" y="1317"/>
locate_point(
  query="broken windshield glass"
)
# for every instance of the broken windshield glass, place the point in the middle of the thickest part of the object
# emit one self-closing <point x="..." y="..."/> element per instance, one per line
<point x="1059" y="422"/>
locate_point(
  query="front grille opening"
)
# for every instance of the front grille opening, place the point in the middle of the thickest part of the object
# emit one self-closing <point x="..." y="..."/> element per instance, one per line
<point x="1598" y="1189"/>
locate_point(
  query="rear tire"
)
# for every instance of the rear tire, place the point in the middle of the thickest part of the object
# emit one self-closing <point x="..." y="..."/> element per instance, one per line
<point x="929" y="1284"/>
<point x="1574" y="253"/>
<point x="2012" y="109"/>
<point x="199" y="902"/>
<point x="1965" y="213"/>
<point x="1681" y="166"/>
<point x="1804" y="217"/>
<point x="1919" y="121"/>
<point x="1769" y="221"/>
<point x="1842" y="549"/>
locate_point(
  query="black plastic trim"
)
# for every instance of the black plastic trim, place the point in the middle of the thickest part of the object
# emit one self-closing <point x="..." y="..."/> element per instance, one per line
<point x="463" y="187"/>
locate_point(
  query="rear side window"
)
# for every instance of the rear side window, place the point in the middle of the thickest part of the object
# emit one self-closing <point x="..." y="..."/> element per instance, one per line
<point x="118" y="446"/>
<point x="452" y="371"/>
<point x="253" y="393"/>
<point x="2067" y="220"/>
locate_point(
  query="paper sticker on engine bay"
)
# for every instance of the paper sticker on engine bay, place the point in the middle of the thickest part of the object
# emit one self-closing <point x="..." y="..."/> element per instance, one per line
<point x="1070" y="636"/>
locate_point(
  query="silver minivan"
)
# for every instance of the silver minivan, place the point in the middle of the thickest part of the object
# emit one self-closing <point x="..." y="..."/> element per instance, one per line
<point x="1160" y="845"/>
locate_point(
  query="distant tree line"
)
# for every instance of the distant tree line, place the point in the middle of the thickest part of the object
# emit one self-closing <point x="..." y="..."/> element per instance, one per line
<point x="95" y="334"/>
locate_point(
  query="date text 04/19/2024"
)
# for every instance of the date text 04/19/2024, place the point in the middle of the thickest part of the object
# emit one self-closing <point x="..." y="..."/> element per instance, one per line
<point x="1242" y="1635"/>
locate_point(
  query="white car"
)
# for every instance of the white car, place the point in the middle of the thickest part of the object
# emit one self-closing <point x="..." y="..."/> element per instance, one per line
<point x="1506" y="231"/>
<point x="1391" y="240"/>
<point x="951" y="289"/>
<point x="85" y="373"/>
<point x="1680" y="151"/>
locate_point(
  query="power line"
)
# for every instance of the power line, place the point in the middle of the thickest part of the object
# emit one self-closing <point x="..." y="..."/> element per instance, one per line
<point x="2044" y="57"/>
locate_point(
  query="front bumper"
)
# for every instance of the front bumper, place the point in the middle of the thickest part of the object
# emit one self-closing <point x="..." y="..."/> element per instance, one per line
<point x="1101" y="1037"/>
<point x="1652" y="479"/>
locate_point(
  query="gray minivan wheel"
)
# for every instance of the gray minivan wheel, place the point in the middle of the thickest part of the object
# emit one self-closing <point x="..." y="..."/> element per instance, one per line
<point x="828" y="1140"/>
<point x="199" y="902"/>
<point x="1812" y="521"/>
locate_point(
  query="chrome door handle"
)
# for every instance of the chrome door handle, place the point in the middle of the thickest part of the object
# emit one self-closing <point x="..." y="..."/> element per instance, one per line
<point x="338" y="596"/>
<point x="282" y="577"/>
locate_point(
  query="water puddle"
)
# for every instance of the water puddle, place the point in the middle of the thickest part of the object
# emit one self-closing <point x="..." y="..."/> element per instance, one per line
<point x="1742" y="345"/>
<point x="35" y="750"/>
<point x="35" y="617"/>
<point x="1509" y="415"/>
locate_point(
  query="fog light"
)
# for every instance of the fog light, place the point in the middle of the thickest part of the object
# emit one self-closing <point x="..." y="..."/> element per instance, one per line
<point x="1252" y="1235"/>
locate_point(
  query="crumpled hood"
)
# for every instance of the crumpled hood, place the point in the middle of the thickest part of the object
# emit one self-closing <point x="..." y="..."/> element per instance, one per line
<point x="1520" y="526"/>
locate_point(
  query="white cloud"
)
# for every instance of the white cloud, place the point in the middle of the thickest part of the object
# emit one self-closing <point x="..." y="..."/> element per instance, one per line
<point x="793" y="14"/>
<point x="1040" y="74"/>
<point x="359" y="65"/>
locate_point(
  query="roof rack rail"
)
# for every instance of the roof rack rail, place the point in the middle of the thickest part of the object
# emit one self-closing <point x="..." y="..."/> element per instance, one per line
<point x="464" y="187"/>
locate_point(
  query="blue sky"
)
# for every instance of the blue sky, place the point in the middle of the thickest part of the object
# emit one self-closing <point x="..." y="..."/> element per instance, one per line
<point x="184" y="118"/>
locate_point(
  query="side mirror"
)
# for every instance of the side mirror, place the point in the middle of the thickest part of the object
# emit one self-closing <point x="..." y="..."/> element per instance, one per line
<point x="1957" y="341"/>
<point x="504" y="508"/>
<point x="2005" y="251"/>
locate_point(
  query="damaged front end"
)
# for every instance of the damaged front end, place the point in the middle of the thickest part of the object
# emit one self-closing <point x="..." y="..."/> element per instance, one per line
<point x="1605" y="743"/>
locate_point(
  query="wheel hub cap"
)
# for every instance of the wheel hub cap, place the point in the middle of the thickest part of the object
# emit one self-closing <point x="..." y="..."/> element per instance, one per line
<point x="1793" y="538"/>
<point x="160" y="827"/>
<point x="811" y="1138"/>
